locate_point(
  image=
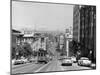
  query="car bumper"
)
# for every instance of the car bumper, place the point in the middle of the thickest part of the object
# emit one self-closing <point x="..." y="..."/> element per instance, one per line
<point x="88" y="65"/>
<point x="67" y="64"/>
<point x="19" y="63"/>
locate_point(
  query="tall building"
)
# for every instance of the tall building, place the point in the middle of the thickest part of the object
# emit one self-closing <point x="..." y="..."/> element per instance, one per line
<point x="84" y="29"/>
<point x="76" y="23"/>
<point x="88" y="30"/>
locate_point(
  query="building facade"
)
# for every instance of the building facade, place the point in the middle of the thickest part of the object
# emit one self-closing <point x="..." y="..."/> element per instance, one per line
<point x="35" y="42"/>
<point x="88" y="31"/>
<point x="84" y="29"/>
<point x="76" y="23"/>
<point x="15" y="34"/>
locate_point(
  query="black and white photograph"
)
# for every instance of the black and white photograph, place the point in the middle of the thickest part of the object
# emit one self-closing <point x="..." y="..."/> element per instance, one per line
<point x="52" y="37"/>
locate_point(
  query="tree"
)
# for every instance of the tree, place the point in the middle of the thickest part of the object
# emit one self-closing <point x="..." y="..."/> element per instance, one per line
<point x="74" y="47"/>
<point x="13" y="52"/>
<point x="27" y="50"/>
<point x="22" y="50"/>
<point x="19" y="51"/>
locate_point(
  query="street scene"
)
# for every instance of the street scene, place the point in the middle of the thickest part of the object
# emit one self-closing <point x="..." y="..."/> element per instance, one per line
<point x="50" y="37"/>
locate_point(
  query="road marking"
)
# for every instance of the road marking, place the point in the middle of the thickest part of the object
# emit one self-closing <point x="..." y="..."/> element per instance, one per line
<point x="42" y="67"/>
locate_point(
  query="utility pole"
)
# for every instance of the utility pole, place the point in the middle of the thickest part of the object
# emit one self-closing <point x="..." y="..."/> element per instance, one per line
<point x="67" y="41"/>
<point x="67" y="47"/>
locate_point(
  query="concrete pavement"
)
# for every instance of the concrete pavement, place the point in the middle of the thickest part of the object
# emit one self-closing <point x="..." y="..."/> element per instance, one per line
<point x="28" y="68"/>
<point x="53" y="65"/>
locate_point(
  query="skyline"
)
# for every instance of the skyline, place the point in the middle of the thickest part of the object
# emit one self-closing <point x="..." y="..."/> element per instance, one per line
<point x="41" y="16"/>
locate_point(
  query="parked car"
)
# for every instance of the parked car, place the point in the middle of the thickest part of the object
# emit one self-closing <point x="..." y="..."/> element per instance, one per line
<point x="32" y="60"/>
<point x="18" y="61"/>
<point x="13" y="61"/>
<point x="25" y="60"/>
<point x="61" y="58"/>
<point x="93" y="66"/>
<point x="67" y="61"/>
<point x="73" y="59"/>
<point x="50" y="58"/>
<point x="84" y="61"/>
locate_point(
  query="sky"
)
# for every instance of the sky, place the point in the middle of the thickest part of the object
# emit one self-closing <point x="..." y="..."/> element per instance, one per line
<point x="41" y="16"/>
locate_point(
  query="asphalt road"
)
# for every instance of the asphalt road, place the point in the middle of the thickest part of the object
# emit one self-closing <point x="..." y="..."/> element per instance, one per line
<point x="54" y="65"/>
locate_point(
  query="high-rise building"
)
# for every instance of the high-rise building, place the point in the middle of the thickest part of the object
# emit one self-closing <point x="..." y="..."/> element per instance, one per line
<point x="76" y="23"/>
<point x="84" y="29"/>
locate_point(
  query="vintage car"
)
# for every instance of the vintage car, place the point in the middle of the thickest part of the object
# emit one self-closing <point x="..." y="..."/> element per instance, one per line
<point x="74" y="59"/>
<point x="18" y="61"/>
<point x="67" y="61"/>
<point x="84" y="61"/>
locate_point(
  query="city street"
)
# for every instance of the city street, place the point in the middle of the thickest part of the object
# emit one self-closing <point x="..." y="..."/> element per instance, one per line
<point x="54" y="65"/>
<point x="64" y="40"/>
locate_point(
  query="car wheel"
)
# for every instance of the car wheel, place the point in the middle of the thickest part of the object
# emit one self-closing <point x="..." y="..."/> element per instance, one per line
<point x="45" y="62"/>
<point x="62" y="64"/>
<point x="79" y="64"/>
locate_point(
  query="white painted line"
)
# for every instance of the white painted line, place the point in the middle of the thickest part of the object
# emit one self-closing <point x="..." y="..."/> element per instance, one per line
<point x="42" y="67"/>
